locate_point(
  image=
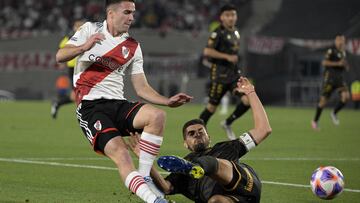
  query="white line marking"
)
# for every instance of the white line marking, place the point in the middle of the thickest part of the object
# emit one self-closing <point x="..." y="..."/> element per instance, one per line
<point x="114" y="169"/>
<point x="247" y="159"/>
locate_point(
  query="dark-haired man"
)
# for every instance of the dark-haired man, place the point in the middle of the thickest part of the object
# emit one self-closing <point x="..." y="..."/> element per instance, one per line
<point x="222" y="51"/>
<point x="214" y="174"/>
<point x="105" y="53"/>
<point x="335" y="66"/>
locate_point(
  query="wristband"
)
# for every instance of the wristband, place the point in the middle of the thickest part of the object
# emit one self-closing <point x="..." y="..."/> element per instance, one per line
<point x="248" y="141"/>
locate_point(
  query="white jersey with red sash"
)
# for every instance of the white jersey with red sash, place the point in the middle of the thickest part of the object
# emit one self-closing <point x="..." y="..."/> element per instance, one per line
<point x="99" y="72"/>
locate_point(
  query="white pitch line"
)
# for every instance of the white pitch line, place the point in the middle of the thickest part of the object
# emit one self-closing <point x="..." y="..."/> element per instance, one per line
<point x="246" y="159"/>
<point x="114" y="169"/>
<point x="301" y="159"/>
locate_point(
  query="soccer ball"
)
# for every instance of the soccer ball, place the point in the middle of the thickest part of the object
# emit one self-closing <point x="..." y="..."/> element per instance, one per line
<point x="327" y="182"/>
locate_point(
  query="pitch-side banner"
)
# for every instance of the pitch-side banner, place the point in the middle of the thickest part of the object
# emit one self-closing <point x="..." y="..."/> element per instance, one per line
<point x="273" y="45"/>
<point x="12" y="61"/>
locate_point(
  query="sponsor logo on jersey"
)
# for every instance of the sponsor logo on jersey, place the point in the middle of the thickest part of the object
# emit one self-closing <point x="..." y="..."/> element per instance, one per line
<point x="106" y="61"/>
<point x="98" y="125"/>
<point x="73" y="39"/>
<point x="125" y="51"/>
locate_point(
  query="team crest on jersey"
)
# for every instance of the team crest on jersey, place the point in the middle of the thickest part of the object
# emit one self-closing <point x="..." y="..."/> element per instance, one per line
<point x="125" y="51"/>
<point x="98" y="125"/>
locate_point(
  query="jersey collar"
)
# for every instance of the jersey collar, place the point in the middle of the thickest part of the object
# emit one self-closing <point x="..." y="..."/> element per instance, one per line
<point x="107" y="34"/>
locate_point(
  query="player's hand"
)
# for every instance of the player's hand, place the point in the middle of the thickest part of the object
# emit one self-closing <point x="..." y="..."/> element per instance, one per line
<point x="244" y="86"/>
<point x="133" y="143"/>
<point x="232" y="58"/>
<point x="179" y="99"/>
<point x="95" y="38"/>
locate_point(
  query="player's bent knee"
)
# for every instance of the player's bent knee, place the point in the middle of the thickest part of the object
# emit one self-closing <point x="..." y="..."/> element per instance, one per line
<point x="158" y="117"/>
<point x="219" y="199"/>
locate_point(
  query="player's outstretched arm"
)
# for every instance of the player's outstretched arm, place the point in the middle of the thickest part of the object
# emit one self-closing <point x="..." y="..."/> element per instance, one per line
<point x="69" y="52"/>
<point x="145" y="91"/>
<point x="261" y="123"/>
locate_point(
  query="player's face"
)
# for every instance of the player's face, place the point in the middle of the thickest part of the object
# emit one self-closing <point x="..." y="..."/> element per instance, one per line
<point x="229" y="18"/>
<point x="340" y="42"/>
<point x="196" y="138"/>
<point x="122" y="16"/>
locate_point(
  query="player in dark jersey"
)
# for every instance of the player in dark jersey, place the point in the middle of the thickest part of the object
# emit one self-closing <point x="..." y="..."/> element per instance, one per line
<point x="225" y="179"/>
<point x="222" y="51"/>
<point x="335" y="66"/>
<point x="67" y="99"/>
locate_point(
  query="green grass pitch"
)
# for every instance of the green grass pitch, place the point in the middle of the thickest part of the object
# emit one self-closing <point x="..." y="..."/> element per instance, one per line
<point x="45" y="160"/>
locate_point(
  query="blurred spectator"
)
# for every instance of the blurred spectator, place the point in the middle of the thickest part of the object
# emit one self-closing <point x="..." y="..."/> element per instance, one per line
<point x="22" y="18"/>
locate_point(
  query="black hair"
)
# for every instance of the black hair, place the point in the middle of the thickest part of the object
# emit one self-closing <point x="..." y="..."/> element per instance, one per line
<point x="227" y="7"/>
<point x="192" y="122"/>
<point x="110" y="2"/>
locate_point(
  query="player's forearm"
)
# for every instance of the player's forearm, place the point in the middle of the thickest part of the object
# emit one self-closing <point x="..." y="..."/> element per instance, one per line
<point x="68" y="53"/>
<point x="150" y="95"/>
<point x="261" y="123"/>
<point x="209" y="52"/>
<point x="160" y="181"/>
<point x="339" y="64"/>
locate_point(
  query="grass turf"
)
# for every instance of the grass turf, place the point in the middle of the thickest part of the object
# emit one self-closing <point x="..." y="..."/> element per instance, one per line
<point x="45" y="160"/>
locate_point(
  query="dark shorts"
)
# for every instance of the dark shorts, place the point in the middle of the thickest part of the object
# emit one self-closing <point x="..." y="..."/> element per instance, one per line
<point x="217" y="91"/>
<point x="333" y="83"/>
<point x="101" y="120"/>
<point x="248" y="187"/>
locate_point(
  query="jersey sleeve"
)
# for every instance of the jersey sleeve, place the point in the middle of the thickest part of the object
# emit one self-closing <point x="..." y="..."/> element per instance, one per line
<point x="239" y="147"/>
<point x="81" y="35"/>
<point x="213" y="40"/>
<point x="137" y="64"/>
<point x="63" y="42"/>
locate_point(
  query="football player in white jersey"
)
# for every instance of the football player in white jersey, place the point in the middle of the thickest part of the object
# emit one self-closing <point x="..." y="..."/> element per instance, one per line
<point x="105" y="54"/>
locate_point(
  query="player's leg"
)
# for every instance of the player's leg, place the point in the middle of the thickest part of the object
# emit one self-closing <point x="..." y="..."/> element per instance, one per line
<point x="116" y="150"/>
<point x="326" y="92"/>
<point x="152" y="121"/>
<point x="216" y="92"/>
<point x="344" y="97"/>
<point x="234" y="178"/>
<point x="95" y="119"/>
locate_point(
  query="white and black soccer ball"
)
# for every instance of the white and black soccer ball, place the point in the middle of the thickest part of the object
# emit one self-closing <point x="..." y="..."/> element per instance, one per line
<point x="327" y="182"/>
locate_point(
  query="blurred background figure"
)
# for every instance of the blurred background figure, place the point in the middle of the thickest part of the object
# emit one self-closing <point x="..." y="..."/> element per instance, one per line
<point x="335" y="66"/>
<point x="222" y="52"/>
<point x="281" y="50"/>
<point x="69" y="97"/>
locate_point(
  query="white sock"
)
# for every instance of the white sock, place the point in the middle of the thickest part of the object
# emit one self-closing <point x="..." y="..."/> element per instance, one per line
<point x="149" y="149"/>
<point x="136" y="184"/>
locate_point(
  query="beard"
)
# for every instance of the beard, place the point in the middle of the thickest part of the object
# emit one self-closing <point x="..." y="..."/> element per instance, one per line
<point x="200" y="147"/>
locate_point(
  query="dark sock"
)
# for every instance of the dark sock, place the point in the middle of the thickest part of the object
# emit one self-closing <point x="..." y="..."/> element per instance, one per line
<point x="64" y="100"/>
<point x="239" y="111"/>
<point x="208" y="163"/>
<point x="338" y="107"/>
<point x="318" y="113"/>
<point x="205" y="115"/>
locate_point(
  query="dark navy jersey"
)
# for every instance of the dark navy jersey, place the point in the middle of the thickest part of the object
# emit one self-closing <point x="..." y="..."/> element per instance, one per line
<point x="334" y="55"/>
<point x="225" y="41"/>
<point x="200" y="190"/>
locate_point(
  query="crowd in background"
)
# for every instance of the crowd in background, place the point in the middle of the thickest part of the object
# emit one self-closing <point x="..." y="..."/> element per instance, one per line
<point x="32" y="17"/>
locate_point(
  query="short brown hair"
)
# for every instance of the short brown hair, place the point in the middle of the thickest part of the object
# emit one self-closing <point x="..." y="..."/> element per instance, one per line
<point x="192" y="122"/>
<point x="110" y="2"/>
